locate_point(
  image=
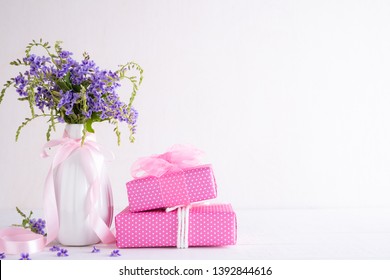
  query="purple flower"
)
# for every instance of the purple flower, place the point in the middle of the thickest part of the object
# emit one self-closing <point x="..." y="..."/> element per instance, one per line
<point x="62" y="253"/>
<point x="60" y="89"/>
<point x="115" y="253"/>
<point x="20" y="83"/>
<point x="76" y="91"/>
<point x="43" y="98"/>
<point x="68" y="100"/>
<point x="20" y="80"/>
<point x="24" y="256"/>
<point x="65" y="54"/>
<point x="2" y="256"/>
<point x="37" y="64"/>
<point x="95" y="250"/>
<point x="81" y="72"/>
<point x="38" y="226"/>
<point x="55" y="248"/>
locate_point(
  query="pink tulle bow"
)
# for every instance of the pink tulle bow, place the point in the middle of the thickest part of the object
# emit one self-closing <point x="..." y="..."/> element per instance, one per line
<point x="176" y="158"/>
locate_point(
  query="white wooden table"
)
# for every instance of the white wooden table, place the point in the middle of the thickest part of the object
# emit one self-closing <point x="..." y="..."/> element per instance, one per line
<point x="270" y="234"/>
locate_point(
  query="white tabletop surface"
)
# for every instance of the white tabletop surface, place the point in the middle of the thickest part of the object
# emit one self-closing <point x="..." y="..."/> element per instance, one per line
<point x="270" y="234"/>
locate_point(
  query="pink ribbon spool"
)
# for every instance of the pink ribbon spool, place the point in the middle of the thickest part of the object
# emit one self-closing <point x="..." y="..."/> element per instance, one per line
<point x="14" y="240"/>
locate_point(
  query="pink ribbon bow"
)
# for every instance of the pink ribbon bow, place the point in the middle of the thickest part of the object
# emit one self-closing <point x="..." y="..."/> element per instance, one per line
<point x="176" y="158"/>
<point x="66" y="147"/>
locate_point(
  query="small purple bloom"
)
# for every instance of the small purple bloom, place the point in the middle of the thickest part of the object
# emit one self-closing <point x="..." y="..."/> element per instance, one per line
<point x="67" y="101"/>
<point x="65" y="54"/>
<point x="24" y="256"/>
<point x="38" y="226"/>
<point x="95" y="250"/>
<point x="55" y="248"/>
<point x="20" y="80"/>
<point x="62" y="253"/>
<point x="2" y="256"/>
<point x="115" y="253"/>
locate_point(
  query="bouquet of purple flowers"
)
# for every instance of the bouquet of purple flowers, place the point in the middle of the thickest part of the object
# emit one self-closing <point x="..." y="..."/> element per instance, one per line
<point x="65" y="90"/>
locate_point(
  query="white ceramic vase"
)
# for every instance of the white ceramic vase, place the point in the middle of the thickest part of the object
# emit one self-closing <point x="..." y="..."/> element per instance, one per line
<point x="71" y="189"/>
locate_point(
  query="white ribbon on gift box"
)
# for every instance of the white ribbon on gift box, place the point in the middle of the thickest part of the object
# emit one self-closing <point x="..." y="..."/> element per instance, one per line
<point x="183" y="219"/>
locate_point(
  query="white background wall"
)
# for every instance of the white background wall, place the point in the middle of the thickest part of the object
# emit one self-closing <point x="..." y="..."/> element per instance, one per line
<point x="289" y="99"/>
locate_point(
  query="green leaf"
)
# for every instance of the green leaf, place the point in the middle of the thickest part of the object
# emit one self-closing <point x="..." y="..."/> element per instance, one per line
<point x="56" y="95"/>
<point x="117" y="132"/>
<point x="95" y="117"/>
<point x="2" y="94"/>
<point x="27" y="120"/>
<point x="132" y="138"/>
<point x="86" y="84"/>
<point x="20" y="212"/>
<point x="67" y="80"/>
<point x="88" y="126"/>
<point x="62" y="85"/>
<point x="6" y="86"/>
<point x="76" y="88"/>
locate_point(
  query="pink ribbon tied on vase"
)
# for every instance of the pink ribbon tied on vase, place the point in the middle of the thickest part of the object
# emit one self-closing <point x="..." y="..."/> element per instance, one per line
<point x="66" y="146"/>
<point x="176" y="158"/>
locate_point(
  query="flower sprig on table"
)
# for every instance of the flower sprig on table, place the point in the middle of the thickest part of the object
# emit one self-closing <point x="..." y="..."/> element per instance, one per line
<point x="24" y="257"/>
<point x="62" y="253"/>
<point x="36" y="226"/>
<point x="65" y="90"/>
<point x="95" y="250"/>
<point x="115" y="253"/>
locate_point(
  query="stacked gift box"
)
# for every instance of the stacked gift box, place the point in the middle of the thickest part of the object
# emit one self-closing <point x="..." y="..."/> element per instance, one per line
<point x="169" y="208"/>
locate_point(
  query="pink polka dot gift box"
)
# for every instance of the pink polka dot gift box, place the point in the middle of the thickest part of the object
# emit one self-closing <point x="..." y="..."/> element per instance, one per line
<point x="174" y="188"/>
<point x="170" y="179"/>
<point x="188" y="226"/>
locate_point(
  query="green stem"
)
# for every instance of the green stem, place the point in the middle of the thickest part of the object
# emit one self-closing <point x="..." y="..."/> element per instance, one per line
<point x="44" y="46"/>
<point x="6" y="86"/>
<point x="27" y="120"/>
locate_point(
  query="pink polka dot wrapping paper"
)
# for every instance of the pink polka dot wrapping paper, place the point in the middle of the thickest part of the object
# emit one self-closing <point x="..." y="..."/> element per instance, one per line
<point x="172" y="189"/>
<point x="209" y="225"/>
